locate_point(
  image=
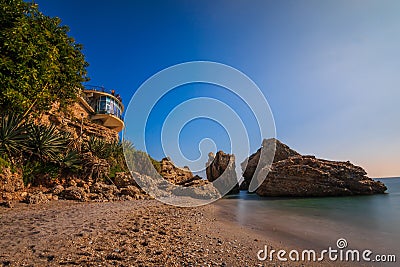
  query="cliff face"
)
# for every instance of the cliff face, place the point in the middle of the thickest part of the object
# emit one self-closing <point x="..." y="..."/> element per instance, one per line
<point x="222" y="164"/>
<point x="292" y="174"/>
<point x="76" y="120"/>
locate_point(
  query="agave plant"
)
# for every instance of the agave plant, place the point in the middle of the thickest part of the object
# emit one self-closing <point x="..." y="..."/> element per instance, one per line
<point x="12" y="135"/>
<point x="71" y="161"/>
<point x="98" y="147"/>
<point x="116" y="149"/>
<point x="45" y="142"/>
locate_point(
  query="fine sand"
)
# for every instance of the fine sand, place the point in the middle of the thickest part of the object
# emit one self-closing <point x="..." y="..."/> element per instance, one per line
<point x="128" y="233"/>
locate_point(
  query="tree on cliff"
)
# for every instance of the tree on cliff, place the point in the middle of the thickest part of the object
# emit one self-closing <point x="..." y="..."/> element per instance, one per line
<point x="39" y="62"/>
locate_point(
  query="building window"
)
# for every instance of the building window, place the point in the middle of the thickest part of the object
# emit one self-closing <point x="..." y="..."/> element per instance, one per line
<point x="108" y="105"/>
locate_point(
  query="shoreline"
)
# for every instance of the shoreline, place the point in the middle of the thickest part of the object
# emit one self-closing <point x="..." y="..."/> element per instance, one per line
<point x="274" y="239"/>
<point x="129" y="233"/>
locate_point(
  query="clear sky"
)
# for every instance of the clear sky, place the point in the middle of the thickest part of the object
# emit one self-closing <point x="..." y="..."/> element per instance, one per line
<point x="330" y="70"/>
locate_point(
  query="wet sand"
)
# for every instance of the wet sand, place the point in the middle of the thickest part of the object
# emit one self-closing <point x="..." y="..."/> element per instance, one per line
<point x="128" y="233"/>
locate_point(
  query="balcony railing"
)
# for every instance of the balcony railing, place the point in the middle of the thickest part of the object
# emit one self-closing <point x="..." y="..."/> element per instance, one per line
<point x="102" y="89"/>
<point x="105" y="104"/>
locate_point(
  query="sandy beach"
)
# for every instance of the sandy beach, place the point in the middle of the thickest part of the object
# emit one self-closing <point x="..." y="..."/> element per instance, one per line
<point x="126" y="233"/>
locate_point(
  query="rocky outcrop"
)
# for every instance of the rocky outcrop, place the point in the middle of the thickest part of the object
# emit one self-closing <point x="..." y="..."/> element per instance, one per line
<point x="308" y="176"/>
<point x="174" y="174"/>
<point x="222" y="165"/>
<point x="193" y="188"/>
<point x="56" y="190"/>
<point x="11" y="184"/>
<point x="74" y="193"/>
<point x="36" y="198"/>
<point x="76" y="120"/>
<point x="292" y="174"/>
<point x="124" y="179"/>
<point x="131" y="191"/>
<point x="194" y="181"/>
<point x="172" y="182"/>
<point x="249" y="166"/>
<point x="104" y="191"/>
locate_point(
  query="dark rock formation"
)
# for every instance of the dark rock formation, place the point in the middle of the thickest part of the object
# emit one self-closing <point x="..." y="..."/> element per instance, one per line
<point x="308" y="176"/>
<point x="249" y="166"/>
<point x="222" y="165"/>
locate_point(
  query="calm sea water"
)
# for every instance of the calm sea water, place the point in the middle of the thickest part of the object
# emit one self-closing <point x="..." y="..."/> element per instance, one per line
<point x="366" y="222"/>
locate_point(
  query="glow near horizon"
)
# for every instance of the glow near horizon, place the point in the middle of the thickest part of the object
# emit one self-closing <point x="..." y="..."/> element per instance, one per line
<point x="330" y="70"/>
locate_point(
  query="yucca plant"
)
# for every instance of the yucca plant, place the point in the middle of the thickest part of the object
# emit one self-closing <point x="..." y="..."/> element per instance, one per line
<point x="116" y="149"/>
<point x="98" y="147"/>
<point x="12" y="135"/>
<point x="45" y="143"/>
<point x="71" y="161"/>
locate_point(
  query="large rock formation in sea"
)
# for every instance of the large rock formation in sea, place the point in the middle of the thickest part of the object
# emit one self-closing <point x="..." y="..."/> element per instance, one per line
<point x="222" y="165"/>
<point x="295" y="175"/>
<point x="249" y="166"/>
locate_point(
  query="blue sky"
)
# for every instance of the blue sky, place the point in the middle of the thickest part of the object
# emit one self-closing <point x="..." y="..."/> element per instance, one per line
<point x="330" y="70"/>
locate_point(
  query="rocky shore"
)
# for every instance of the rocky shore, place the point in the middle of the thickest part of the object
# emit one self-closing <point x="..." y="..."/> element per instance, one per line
<point x="124" y="187"/>
<point x="85" y="222"/>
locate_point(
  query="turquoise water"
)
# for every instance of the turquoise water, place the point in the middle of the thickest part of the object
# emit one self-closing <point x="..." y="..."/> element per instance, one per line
<point x="366" y="222"/>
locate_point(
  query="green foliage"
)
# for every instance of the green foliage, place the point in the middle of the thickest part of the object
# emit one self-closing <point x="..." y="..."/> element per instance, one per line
<point x="99" y="147"/>
<point x="156" y="164"/>
<point x="4" y="163"/>
<point x="29" y="171"/>
<point x="71" y="162"/>
<point x="114" y="169"/>
<point x="36" y="172"/>
<point x="46" y="153"/>
<point x="12" y="135"/>
<point x="45" y="142"/>
<point x="39" y="64"/>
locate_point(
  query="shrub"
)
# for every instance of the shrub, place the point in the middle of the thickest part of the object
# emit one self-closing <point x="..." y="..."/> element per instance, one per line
<point x="45" y="143"/>
<point x="12" y="135"/>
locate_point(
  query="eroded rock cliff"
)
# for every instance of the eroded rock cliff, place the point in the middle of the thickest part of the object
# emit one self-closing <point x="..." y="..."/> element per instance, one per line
<point x="292" y="174"/>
